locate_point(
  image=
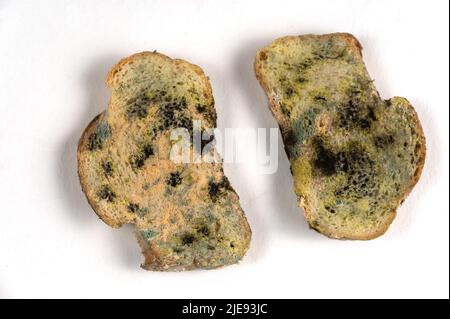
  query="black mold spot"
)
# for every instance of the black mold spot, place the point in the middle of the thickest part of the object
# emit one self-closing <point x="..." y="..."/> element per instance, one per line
<point x="289" y="92"/>
<point x="290" y="139"/>
<point x="211" y="115"/>
<point x="174" y="179"/>
<point x="136" y="209"/>
<point x="306" y="63"/>
<point x="213" y="190"/>
<point x="326" y="161"/>
<point x="319" y="98"/>
<point x="171" y="110"/>
<point x="371" y="114"/>
<point x="382" y="141"/>
<point x="354" y="162"/>
<point x="349" y="114"/>
<point x="355" y="114"/>
<point x="359" y="112"/>
<point x="216" y="189"/>
<point x="106" y="193"/>
<point x="138" y="160"/>
<point x="200" y="108"/>
<point x="205" y="142"/>
<point x="284" y="109"/>
<point x="147" y="150"/>
<point x="107" y="168"/>
<point x="139" y="107"/>
<point x="188" y="239"/>
<point x="361" y="174"/>
<point x="225" y="183"/>
<point x="208" y="114"/>
<point x="173" y="115"/>
<point x="94" y="142"/>
<point x="364" y="123"/>
<point x="133" y="207"/>
<point x="203" y="230"/>
<point x="101" y="133"/>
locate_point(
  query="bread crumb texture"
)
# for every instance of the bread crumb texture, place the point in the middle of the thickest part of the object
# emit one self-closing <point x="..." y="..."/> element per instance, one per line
<point x="186" y="216"/>
<point x="354" y="157"/>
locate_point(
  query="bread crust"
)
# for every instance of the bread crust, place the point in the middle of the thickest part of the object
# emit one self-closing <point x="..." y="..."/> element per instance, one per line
<point x="285" y="126"/>
<point x="81" y="144"/>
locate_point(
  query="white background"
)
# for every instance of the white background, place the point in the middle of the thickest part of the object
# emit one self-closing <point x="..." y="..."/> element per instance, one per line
<point x="54" y="58"/>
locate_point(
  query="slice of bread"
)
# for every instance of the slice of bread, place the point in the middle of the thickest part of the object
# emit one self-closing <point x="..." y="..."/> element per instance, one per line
<point x="354" y="157"/>
<point x="186" y="216"/>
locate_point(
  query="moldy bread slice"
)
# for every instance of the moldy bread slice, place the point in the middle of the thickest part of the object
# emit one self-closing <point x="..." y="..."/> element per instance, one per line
<point x="186" y="215"/>
<point x="354" y="156"/>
